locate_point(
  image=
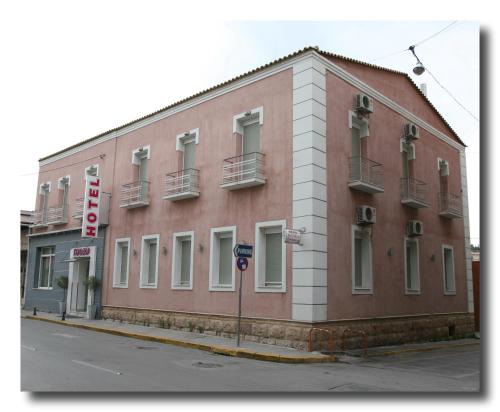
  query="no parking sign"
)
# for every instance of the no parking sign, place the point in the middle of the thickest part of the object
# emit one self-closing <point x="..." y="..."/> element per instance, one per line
<point x="242" y="263"/>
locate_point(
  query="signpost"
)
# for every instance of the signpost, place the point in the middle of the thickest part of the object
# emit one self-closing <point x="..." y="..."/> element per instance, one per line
<point x="242" y="252"/>
<point x="293" y="236"/>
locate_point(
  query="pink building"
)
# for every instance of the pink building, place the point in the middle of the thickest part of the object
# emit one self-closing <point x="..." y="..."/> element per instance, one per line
<point x="352" y="154"/>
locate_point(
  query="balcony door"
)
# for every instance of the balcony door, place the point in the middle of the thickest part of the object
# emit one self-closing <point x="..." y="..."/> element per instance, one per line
<point x="250" y="146"/>
<point x="143" y="176"/>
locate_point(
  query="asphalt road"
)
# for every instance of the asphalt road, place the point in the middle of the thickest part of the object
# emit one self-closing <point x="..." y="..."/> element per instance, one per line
<point x="59" y="358"/>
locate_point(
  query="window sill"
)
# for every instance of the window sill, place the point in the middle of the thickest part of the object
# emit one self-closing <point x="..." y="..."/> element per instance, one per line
<point x="44" y="288"/>
<point x="218" y="288"/>
<point x="362" y="291"/>
<point x="412" y="292"/>
<point x="450" y="292"/>
<point x="148" y="286"/>
<point x="120" y="286"/>
<point x="182" y="287"/>
<point x="270" y="289"/>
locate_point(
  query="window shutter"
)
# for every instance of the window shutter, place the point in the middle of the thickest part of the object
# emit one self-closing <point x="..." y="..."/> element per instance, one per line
<point x="185" y="262"/>
<point x="225" y="260"/>
<point x="274" y="244"/>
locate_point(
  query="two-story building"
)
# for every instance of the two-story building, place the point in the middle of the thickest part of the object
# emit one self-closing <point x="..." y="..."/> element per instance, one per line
<point x="352" y="155"/>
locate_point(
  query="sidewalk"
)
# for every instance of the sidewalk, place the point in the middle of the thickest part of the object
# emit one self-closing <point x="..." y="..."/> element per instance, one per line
<point x="193" y="340"/>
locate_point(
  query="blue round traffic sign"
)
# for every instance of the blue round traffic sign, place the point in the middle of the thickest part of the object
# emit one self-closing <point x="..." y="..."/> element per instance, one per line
<point x="242" y="263"/>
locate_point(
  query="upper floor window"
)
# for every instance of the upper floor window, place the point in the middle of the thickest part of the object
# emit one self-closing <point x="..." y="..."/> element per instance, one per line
<point x="63" y="186"/>
<point x="186" y="144"/>
<point x="248" y="126"/>
<point x="92" y="170"/>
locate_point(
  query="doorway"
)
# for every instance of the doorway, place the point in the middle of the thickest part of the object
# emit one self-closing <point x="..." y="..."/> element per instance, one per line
<point x="78" y="289"/>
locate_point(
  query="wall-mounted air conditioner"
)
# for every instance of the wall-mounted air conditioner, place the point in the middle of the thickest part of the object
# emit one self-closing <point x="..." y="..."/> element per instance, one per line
<point x="415" y="228"/>
<point x="365" y="215"/>
<point x="411" y="131"/>
<point x="364" y="104"/>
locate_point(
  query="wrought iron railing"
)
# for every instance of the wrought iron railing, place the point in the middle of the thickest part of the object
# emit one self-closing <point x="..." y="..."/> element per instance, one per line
<point x="103" y="208"/>
<point x="413" y="190"/>
<point x="51" y="215"/>
<point x="366" y="171"/>
<point x="449" y="203"/>
<point x="243" y="168"/>
<point x="182" y="182"/>
<point x="135" y="193"/>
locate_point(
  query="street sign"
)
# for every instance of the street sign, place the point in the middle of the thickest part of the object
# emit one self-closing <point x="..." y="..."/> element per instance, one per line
<point x="241" y="250"/>
<point x="242" y="263"/>
<point x="90" y="221"/>
<point x="292" y="236"/>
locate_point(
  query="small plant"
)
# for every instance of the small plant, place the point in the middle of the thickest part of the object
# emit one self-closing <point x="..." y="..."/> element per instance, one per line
<point x="201" y="329"/>
<point x="190" y="326"/>
<point x="168" y="324"/>
<point x="92" y="283"/>
<point x="161" y="323"/>
<point x="62" y="282"/>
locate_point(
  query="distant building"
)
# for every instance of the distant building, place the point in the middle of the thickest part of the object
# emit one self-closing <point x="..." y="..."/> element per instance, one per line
<point x="26" y="221"/>
<point x="351" y="154"/>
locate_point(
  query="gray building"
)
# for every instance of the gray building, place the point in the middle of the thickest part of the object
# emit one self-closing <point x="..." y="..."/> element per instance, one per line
<point x="64" y="253"/>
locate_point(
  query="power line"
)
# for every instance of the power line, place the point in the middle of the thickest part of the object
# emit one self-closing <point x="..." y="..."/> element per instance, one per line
<point x="449" y="93"/>
<point x="101" y="156"/>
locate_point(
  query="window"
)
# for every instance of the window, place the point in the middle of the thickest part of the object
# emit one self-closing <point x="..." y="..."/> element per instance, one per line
<point x="186" y="143"/>
<point x="122" y="256"/>
<point x="149" y="261"/>
<point x="92" y="170"/>
<point x="361" y="260"/>
<point x="140" y="158"/>
<point x="412" y="270"/>
<point x="270" y="257"/>
<point x="46" y="268"/>
<point x="63" y="186"/>
<point x="448" y="270"/>
<point x="182" y="261"/>
<point x="222" y="261"/>
<point x="44" y="203"/>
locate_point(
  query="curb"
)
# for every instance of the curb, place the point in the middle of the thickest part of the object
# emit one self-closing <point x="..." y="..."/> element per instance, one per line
<point x="414" y="350"/>
<point x="217" y="349"/>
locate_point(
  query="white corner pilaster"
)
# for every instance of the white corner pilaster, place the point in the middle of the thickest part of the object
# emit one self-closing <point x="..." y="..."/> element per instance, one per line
<point x="468" y="256"/>
<point x="309" y="262"/>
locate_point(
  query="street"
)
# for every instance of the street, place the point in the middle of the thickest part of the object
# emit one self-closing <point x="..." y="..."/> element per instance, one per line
<point x="60" y="358"/>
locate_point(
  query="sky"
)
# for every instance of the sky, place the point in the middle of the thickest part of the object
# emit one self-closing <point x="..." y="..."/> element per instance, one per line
<point x="85" y="74"/>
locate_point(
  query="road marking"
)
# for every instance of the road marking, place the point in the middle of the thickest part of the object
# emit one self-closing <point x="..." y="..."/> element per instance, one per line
<point x="96" y="367"/>
<point x="465" y="375"/>
<point x="28" y="347"/>
<point x="65" y="335"/>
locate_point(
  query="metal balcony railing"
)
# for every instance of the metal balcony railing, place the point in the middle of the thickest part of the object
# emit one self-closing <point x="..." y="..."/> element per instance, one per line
<point x="78" y="211"/>
<point x="366" y="175"/>
<point x="135" y="194"/>
<point x="243" y="171"/>
<point x="182" y="184"/>
<point x="414" y="193"/>
<point x="56" y="215"/>
<point x="449" y="205"/>
<point x="103" y="208"/>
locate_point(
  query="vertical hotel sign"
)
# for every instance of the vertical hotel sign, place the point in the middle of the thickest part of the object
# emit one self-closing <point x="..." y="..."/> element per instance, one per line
<point x="91" y="201"/>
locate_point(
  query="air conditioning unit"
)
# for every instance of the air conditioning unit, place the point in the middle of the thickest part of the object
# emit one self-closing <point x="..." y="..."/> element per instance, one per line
<point x="364" y="104"/>
<point x="365" y="215"/>
<point x="415" y="228"/>
<point x="411" y="131"/>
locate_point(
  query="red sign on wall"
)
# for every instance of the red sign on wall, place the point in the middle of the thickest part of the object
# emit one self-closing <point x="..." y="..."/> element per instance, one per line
<point x="90" y="221"/>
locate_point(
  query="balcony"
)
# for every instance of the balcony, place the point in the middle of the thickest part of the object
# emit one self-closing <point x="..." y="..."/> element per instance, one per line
<point x="134" y="194"/>
<point x="366" y="175"/>
<point x="103" y="208"/>
<point x="243" y="171"/>
<point x="414" y="193"/>
<point x="56" y="215"/>
<point x="449" y="205"/>
<point x="183" y="184"/>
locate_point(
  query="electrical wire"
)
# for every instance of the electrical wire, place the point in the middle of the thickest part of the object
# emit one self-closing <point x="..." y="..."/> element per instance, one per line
<point x="449" y="93"/>
<point x="101" y="156"/>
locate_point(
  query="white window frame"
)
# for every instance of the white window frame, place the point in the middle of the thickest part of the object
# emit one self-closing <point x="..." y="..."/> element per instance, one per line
<point x="362" y="124"/>
<point x="140" y="153"/>
<point x="176" y="260"/>
<point x="116" y="272"/>
<point x="246" y="118"/>
<point x="87" y="170"/>
<point x="408" y="148"/>
<point x="51" y="272"/>
<point x="214" y="259"/>
<point x="189" y="136"/>
<point x="60" y="184"/>
<point x="369" y="289"/>
<point x="260" y="262"/>
<point x="454" y="290"/>
<point x="143" y="275"/>
<point x="414" y="291"/>
<point x="41" y="190"/>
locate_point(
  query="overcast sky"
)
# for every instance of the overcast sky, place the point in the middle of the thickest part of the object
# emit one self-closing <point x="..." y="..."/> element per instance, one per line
<point x="80" y="75"/>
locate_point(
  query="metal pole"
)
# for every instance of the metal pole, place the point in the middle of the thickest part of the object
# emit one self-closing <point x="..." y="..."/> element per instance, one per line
<point x="239" y="311"/>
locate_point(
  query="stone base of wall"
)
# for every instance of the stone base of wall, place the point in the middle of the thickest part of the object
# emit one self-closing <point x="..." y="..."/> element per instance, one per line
<point x="336" y="335"/>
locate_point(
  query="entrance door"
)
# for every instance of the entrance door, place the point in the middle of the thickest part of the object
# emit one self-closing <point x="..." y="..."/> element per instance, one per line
<point x="78" y="289"/>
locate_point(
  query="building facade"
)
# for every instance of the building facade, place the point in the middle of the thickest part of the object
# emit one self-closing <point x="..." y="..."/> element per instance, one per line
<point x="352" y="155"/>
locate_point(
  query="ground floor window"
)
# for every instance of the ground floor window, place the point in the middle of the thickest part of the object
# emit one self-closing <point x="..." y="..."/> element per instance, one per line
<point x="222" y="261"/>
<point x="149" y="261"/>
<point x="182" y="260"/>
<point x="46" y="267"/>
<point x="361" y="260"/>
<point x="270" y="257"/>
<point x="412" y="271"/>
<point x="448" y="270"/>
<point x="122" y="256"/>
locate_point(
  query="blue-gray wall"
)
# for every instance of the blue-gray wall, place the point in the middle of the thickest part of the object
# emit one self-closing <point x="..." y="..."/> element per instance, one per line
<point x="48" y="300"/>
